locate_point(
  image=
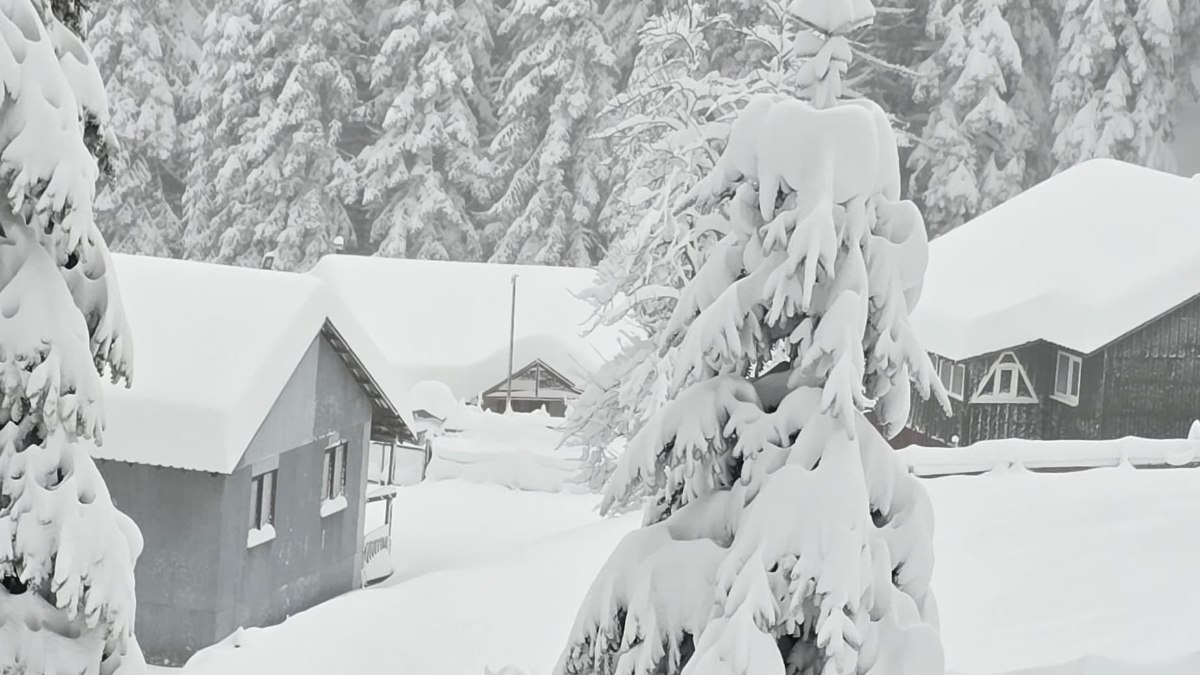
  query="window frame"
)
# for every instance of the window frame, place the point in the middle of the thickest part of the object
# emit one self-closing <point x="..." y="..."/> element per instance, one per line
<point x="1007" y="363"/>
<point x="258" y="484"/>
<point x="947" y="379"/>
<point x="333" y="475"/>
<point x="1074" y="377"/>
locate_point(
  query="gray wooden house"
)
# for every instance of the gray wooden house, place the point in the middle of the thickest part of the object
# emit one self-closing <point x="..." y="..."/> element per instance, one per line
<point x="1071" y="311"/>
<point x="241" y="448"/>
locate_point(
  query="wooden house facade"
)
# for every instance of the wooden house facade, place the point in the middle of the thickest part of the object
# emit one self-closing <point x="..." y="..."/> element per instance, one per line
<point x="535" y="386"/>
<point x="1146" y="384"/>
<point x="1098" y="334"/>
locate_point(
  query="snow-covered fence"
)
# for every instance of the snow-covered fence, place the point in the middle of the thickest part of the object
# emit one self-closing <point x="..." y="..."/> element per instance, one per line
<point x="1010" y="454"/>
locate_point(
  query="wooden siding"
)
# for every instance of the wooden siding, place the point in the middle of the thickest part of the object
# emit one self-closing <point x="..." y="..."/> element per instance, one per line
<point x="1006" y="420"/>
<point x="1062" y="420"/>
<point x="926" y="418"/>
<point x="1153" y="380"/>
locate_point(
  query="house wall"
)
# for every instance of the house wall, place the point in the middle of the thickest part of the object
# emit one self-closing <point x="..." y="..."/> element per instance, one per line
<point x="1064" y="421"/>
<point x="180" y="519"/>
<point x="1153" y="378"/>
<point x="196" y="580"/>
<point x="311" y="559"/>
<point x="1007" y="420"/>
<point x="927" y="419"/>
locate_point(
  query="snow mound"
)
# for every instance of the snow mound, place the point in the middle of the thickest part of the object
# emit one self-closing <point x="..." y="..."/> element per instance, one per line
<point x="433" y="397"/>
<point x="1041" y="265"/>
<point x="1008" y="454"/>
<point x="515" y="469"/>
<point x="517" y="450"/>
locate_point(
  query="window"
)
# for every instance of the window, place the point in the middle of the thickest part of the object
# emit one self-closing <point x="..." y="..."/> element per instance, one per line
<point x="953" y="376"/>
<point x="1066" y="378"/>
<point x="1005" y="382"/>
<point x="262" y="508"/>
<point x="333" y="480"/>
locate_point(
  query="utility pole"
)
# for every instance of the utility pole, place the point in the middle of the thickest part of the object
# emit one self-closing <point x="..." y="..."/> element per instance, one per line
<point x="512" y="328"/>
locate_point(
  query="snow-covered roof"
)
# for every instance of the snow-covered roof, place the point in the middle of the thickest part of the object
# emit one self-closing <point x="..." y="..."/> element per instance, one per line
<point x="215" y="346"/>
<point x="449" y="321"/>
<point x="1078" y="260"/>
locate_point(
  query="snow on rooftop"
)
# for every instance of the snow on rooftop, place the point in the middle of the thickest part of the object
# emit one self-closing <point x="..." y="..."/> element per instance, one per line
<point x="449" y="321"/>
<point x="1078" y="260"/>
<point x="215" y="346"/>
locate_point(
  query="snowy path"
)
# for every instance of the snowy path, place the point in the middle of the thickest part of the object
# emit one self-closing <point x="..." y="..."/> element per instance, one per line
<point x="495" y="610"/>
<point x="447" y="524"/>
<point x="1037" y="574"/>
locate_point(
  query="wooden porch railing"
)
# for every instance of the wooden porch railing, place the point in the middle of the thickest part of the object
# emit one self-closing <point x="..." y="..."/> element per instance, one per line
<point x="376" y="542"/>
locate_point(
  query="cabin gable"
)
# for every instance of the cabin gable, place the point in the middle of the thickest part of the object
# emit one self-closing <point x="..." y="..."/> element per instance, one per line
<point x="535" y="386"/>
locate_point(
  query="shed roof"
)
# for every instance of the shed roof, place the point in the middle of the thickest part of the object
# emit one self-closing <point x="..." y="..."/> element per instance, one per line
<point x="449" y="321"/>
<point x="215" y="346"/>
<point x="1078" y="260"/>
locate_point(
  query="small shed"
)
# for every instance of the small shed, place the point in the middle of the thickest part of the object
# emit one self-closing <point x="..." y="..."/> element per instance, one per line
<point x="537" y="386"/>
<point x="240" y="449"/>
<point x="1072" y="311"/>
<point x="450" y="322"/>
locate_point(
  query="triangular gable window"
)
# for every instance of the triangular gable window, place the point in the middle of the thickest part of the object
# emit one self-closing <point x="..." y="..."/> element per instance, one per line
<point x="1005" y="382"/>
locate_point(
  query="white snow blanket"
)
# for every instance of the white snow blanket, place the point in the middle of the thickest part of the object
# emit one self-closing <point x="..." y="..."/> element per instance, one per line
<point x="1078" y="260"/>
<point x="518" y="450"/>
<point x="1089" y="573"/>
<point x="215" y="346"/>
<point x="1019" y="454"/>
<point x="449" y="321"/>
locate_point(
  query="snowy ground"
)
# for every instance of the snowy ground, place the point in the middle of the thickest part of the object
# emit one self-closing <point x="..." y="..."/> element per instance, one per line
<point x="1089" y="573"/>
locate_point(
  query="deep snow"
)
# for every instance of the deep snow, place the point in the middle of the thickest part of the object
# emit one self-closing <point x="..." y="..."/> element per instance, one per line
<point x="1033" y="571"/>
<point x="1040" y="266"/>
<point x="450" y="320"/>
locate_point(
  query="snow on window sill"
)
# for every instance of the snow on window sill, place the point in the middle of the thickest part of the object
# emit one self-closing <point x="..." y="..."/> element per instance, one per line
<point x="991" y="398"/>
<point x="332" y="506"/>
<point x="260" y="536"/>
<point x="1072" y="401"/>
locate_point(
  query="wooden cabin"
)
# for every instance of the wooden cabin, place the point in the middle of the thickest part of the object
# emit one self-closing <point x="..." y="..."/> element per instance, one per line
<point x="1071" y="311"/>
<point x="537" y="386"/>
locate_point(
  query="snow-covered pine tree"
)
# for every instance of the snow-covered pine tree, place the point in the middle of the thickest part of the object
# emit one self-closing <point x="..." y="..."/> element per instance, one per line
<point x="429" y="81"/>
<point x="569" y="59"/>
<point x="1116" y="80"/>
<point x="783" y="535"/>
<point x="276" y="85"/>
<point x="698" y="63"/>
<point x="148" y="52"/>
<point x="980" y="139"/>
<point x="66" y="554"/>
<point x="696" y="66"/>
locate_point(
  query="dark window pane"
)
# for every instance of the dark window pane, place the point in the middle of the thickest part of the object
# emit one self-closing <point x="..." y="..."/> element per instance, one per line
<point x="255" y="501"/>
<point x="326" y="469"/>
<point x="1007" y="381"/>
